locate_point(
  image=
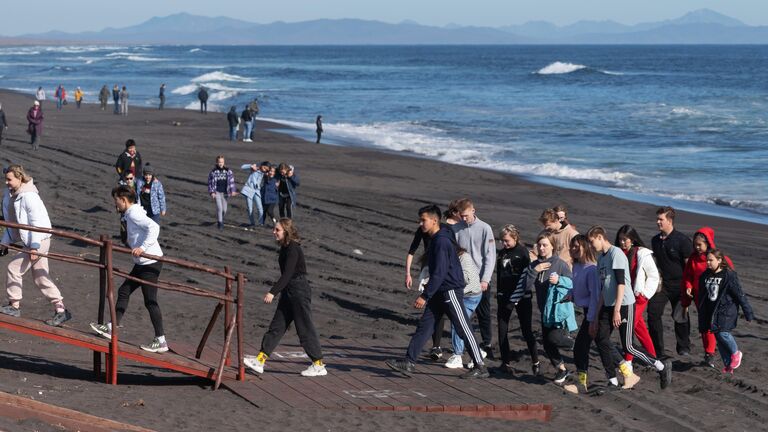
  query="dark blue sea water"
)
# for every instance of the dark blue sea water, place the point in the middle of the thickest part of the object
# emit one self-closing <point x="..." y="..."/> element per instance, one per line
<point x="685" y="125"/>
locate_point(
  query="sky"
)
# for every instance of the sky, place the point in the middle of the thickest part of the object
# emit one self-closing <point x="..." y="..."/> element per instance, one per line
<point x="83" y="15"/>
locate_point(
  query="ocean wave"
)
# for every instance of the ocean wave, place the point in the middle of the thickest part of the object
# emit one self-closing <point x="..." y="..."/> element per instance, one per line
<point x="133" y="57"/>
<point x="19" y="52"/>
<point x="220" y="76"/>
<point x="82" y="49"/>
<point x="193" y="50"/>
<point x="559" y="68"/>
<point x="743" y="204"/>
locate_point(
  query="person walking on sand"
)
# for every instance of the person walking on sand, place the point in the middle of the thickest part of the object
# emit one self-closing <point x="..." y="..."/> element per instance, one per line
<point x="703" y="240"/>
<point x="563" y="231"/>
<point x="150" y="194"/>
<point x="124" y="101"/>
<point x="443" y="294"/>
<point x="252" y="192"/>
<point x="40" y="95"/>
<point x="61" y="97"/>
<point x="129" y="161"/>
<point x="221" y="186"/>
<point x="721" y="297"/>
<point x="319" y="128"/>
<point x="269" y="195"/>
<point x="22" y="205"/>
<point x="35" y="124"/>
<point x="287" y="182"/>
<point x="247" y="124"/>
<point x="472" y="295"/>
<point x="671" y="249"/>
<point x="476" y="237"/>
<point x="116" y="98"/>
<point x="78" y="97"/>
<point x="161" y="96"/>
<point x="104" y="97"/>
<point x="142" y="234"/>
<point x="616" y="310"/>
<point x="3" y="124"/>
<point x="293" y="306"/>
<point x="202" y="95"/>
<point x="234" y="121"/>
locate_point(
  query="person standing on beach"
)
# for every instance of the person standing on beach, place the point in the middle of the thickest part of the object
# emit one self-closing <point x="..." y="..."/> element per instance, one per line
<point x="319" y="128"/>
<point x="162" y="96"/>
<point x="78" y="97"/>
<point x="202" y="95"/>
<point x="104" y="97"/>
<point x="563" y="231"/>
<point x="221" y="186"/>
<point x="671" y="249"/>
<point x="61" y="96"/>
<point x="476" y="237"/>
<point x="254" y="107"/>
<point x="3" y="124"/>
<point x="129" y="161"/>
<point x="35" y="124"/>
<point x="22" y="205"/>
<point x="443" y="294"/>
<point x="116" y="98"/>
<point x="616" y="310"/>
<point x="247" y="124"/>
<point x="269" y="195"/>
<point x="234" y="121"/>
<point x="150" y="194"/>
<point x="294" y="305"/>
<point x="252" y="192"/>
<point x="142" y="235"/>
<point x="287" y="182"/>
<point x="124" y="101"/>
<point x="40" y="95"/>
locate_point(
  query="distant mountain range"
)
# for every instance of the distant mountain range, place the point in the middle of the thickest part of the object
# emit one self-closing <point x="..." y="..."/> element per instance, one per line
<point x="702" y="26"/>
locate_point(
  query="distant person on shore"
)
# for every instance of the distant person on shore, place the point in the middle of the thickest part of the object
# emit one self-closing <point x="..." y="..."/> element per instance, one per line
<point x="269" y="195"/>
<point x="251" y="190"/>
<point x="721" y="297"/>
<point x="61" y="96"/>
<point x="644" y="276"/>
<point x="78" y="97"/>
<point x="563" y="231"/>
<point x="443" y="294"/>
<point x="142" y="238"/>
<point x="129" y="161"/>
<point x="294" y="305"/>
<point x="104" y="97"/>
<point x="161" y="95"/>
<point x="22" y="205"/>
<point x="40" y="95"/>
<point x="671" y="249"/>
<point x="319" y="127"/>
<point x="221" y="186"/>
<point x="35" y="124"/>
<point x="476" y="237"/>
<point x="616" y="311"/>
<point x="287" y="182"/>
<point x="3" y="124"/>
<point x="234" y="122"/>
<point x="511" y="262"/>
<point x="703" y="240"/>
<point x="116" y="98"/>
<point x="150" y="194"/>
<point x="247" y="124"/>
<point x="202" y="95"/>
<point x="254" y="107"/>
<point x="124" y="101"/>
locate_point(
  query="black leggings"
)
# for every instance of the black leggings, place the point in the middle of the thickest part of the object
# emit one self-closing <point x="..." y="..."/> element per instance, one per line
<point x="524" y="309"/>
<point x="149" y="273"/>
<point x="269" y="211"/>
<point x="285" y="205"/>
<point x="294" y="306"/>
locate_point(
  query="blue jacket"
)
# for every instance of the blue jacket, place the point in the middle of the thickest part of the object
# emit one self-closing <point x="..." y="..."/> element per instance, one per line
<point x="556" y="314"/>
<point x="269" y="191"/>
<point x="293" y="183"/>
<point x="156" y="195"/>
<point x="254" y="182"/>
<point x="444" y="266"/>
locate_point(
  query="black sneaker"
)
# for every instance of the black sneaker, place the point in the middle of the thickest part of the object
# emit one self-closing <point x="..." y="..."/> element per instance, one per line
<point x="403" y="366"/>
<point x="436" y="353"/>
<point x="709" y="360"/>
<point x="683" y="352"/>
<point x="476" y="372"/>
<point x="59" y="318"/>
<point x="665" y="375"/>
<point x="536" y="368"/>
<point x="561" y="375"/>
<point x="488" y="350"/>
<point x="607" y="389"/>
<point x="10" y="310"/>
<point x="505" y="369"/>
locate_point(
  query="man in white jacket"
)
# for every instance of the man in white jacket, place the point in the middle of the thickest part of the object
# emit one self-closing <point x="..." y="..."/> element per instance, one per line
<point x="142" y="238"/>
<point x="22" y="205"/>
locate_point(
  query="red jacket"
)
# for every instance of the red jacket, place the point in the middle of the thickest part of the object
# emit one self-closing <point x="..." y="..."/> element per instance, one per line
<point x="696" y="265"/>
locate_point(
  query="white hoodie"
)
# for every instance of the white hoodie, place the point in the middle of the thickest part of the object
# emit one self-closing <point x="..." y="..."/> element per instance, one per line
<point x="28" y="209"/>
<point x="143" y="233"/>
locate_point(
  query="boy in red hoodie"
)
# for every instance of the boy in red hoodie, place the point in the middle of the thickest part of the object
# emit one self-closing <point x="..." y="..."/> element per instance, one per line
<point x="703" y="240"/>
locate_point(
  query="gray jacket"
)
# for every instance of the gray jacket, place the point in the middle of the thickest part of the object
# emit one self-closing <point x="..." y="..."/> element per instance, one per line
<point x="477" y="239"/>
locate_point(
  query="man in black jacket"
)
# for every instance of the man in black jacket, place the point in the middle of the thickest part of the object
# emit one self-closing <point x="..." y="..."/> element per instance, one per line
<point x="129" y="161"/>
<point x="203" y="96"/>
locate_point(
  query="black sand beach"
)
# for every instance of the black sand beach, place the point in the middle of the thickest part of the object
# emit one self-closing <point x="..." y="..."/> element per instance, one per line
<point x="349" y="199"/>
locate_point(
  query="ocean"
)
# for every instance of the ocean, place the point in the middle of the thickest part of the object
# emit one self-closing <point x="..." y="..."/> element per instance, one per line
<point x="679" y="125"/>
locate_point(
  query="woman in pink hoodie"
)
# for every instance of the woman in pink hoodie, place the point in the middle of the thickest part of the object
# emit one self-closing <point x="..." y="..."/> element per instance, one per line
<point x="703" y="240"/>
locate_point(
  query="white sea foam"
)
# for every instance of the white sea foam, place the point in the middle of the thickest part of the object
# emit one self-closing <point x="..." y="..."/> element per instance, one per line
<point x="19" y="52"/>
<point x="560" y="68"/>
<point x="185" y="90"/>
<point x="220" y="76"/>
<point x="133" y="57"/>
<point x="195" y="50"/>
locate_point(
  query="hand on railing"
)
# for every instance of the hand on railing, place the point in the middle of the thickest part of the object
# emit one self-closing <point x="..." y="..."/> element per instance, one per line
<point x="137" y="252"/>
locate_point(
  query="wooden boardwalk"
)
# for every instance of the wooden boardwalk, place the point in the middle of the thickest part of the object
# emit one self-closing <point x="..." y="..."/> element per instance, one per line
<point x="358" y="379"/>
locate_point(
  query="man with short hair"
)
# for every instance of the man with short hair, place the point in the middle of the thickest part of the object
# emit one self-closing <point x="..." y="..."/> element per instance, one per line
<point x="476" y="237"/>
<point x="129" y="161"/>
<point x="563" y="233"/>
<point x="671" y="249"/>
<point x="443" y="294"/>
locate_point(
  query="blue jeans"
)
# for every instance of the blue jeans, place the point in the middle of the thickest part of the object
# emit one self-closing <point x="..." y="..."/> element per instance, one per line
<point x="470" y="304"/>
<point x="59" y="103"/>
<point x="250" y="201"/>
<point x="233" y="133"/>
<point x="726" y="344"/>
<point x="248" y="128"/>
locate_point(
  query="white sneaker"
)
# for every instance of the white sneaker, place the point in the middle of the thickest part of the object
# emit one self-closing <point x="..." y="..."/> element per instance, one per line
<point x="454" y="362"/>
<point x="253" y="364"/>
<point x="314" y="370"/>
<point x="471" y="364"/>
<point x="247" y="140"/>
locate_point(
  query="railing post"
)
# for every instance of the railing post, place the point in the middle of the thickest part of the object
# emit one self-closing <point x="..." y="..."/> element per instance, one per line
<point x="239" y="323"/>
<point x="102" y="296"/>
<point x="227" y="309"/>
<point x="113" y="346"/>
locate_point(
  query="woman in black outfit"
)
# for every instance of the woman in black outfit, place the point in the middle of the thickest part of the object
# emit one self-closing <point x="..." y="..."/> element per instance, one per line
<point x="293" y="306"/>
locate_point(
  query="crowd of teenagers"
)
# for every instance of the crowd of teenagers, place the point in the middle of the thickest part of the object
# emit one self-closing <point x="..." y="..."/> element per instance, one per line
<point x="613" y="279"/>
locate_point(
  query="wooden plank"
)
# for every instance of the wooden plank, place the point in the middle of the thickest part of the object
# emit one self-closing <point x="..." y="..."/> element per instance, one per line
<point x="66" y="335"/>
